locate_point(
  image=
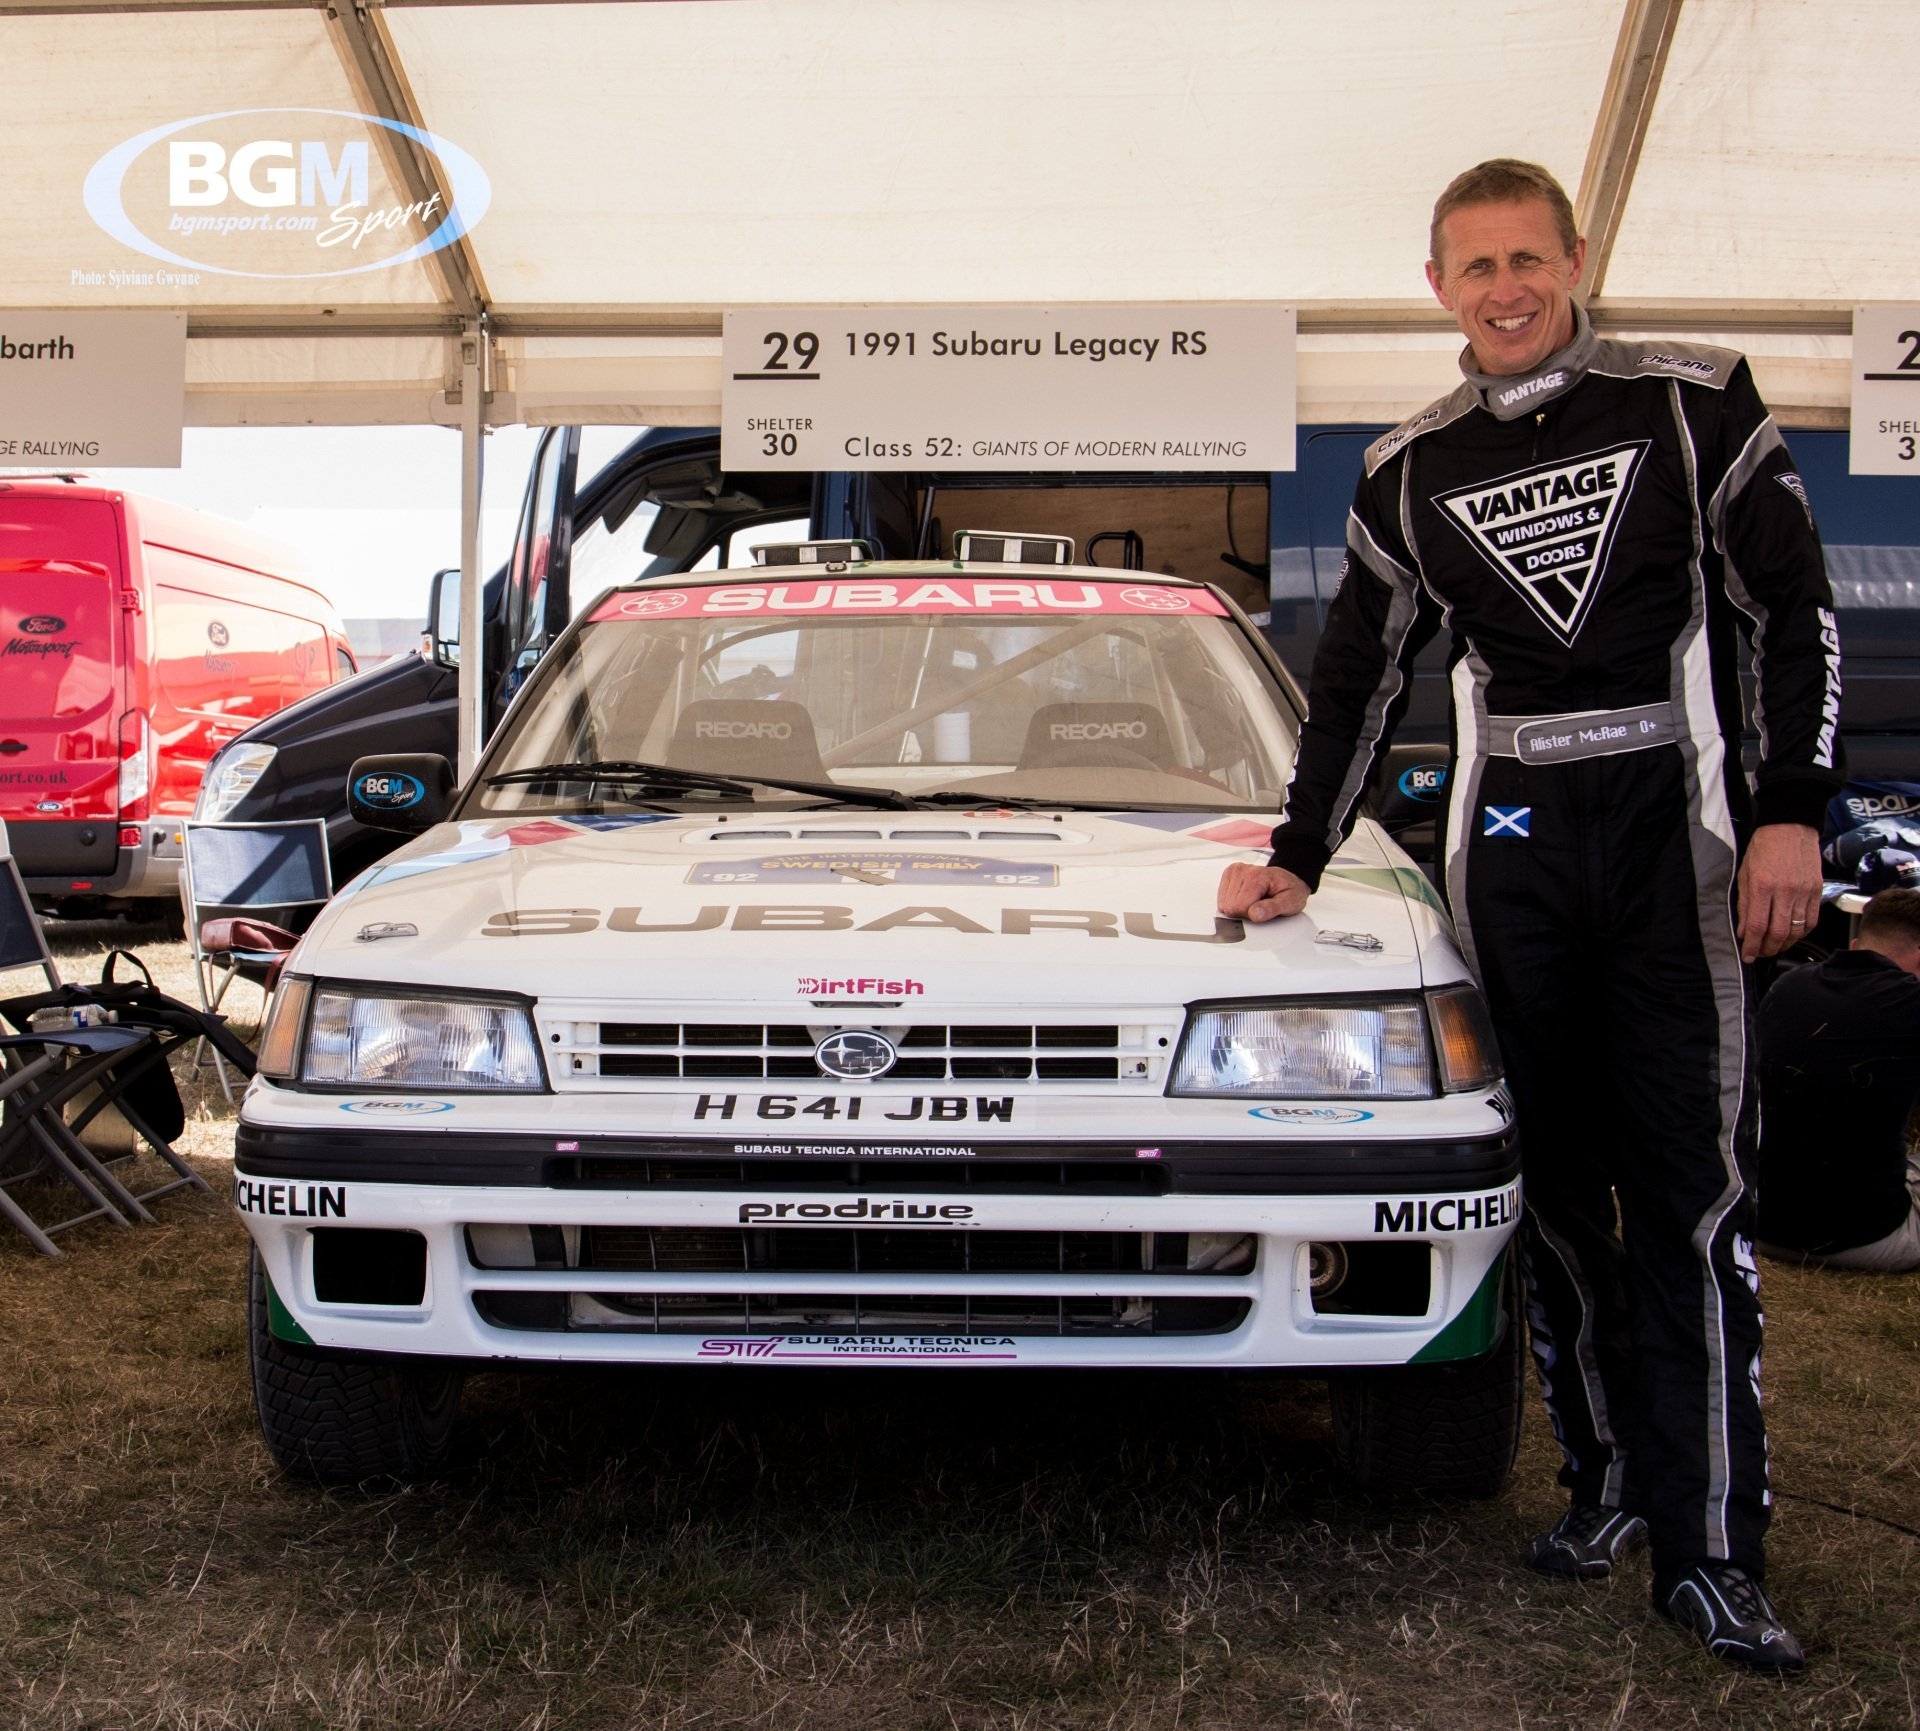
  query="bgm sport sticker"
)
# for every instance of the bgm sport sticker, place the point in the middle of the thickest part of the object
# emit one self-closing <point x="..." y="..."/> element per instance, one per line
<point x="1308" y="1116"/>
<point x="1546" y="530"/>
<point x="399" y="1108"/>
<point x="276" y="192"/>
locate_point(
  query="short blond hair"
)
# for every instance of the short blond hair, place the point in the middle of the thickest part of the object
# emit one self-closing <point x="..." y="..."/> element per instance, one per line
<point x="1504" y="180"/>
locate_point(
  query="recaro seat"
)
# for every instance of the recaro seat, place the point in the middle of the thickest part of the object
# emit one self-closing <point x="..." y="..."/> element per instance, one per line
<point x="1097" y="736"/>
<point x="747" y="736"/>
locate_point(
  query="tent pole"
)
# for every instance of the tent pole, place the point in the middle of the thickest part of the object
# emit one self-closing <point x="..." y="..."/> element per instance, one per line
<point x="473" y="420"/>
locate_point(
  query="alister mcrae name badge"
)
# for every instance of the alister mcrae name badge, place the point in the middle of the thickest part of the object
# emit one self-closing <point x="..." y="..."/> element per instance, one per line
<point x="1547" y="530"/>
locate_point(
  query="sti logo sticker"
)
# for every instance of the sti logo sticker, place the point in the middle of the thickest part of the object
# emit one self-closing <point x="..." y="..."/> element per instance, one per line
<point x="1547" y="530"/>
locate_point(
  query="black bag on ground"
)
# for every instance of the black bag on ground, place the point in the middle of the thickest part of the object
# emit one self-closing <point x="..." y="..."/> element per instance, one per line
<point x="144" y="1080"/>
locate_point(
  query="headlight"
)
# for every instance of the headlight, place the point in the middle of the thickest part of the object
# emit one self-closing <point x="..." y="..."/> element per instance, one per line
<point x="435" y="1045"/>
<point x="230" y="778"/>
<point x="1373" y="1048"/>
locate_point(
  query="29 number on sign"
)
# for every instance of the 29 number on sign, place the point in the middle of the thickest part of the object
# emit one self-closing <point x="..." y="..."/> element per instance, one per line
<point x="1908" y="363"/>
<point x="803" y="346"/>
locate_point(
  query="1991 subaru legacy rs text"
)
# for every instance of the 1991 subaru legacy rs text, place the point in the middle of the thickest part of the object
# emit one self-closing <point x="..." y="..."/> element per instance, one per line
<point x="821" y="968"/>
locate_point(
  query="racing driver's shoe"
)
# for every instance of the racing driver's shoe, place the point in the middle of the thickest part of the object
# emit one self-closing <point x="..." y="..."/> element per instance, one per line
<point x="1586" y="1542"/>
<point x="1731" y="1613"/>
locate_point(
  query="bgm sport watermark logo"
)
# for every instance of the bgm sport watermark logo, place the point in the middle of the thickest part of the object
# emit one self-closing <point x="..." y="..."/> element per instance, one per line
<point x="279" y="192"/>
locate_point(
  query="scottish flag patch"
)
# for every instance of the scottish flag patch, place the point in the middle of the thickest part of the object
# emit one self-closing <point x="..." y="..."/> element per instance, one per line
<point x="1508" y="820"/>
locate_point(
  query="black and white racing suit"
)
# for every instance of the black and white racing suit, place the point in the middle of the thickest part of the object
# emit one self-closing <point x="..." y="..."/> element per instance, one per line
<point x="1590" y="533"/>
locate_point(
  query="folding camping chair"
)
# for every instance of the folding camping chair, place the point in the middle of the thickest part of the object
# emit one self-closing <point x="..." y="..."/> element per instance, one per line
<point x="275" y="872"/>
<point x="44" y="1073"/>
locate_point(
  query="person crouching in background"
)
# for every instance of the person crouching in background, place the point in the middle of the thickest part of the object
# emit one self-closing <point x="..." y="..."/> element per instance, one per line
<point x="1839" y="1045"/>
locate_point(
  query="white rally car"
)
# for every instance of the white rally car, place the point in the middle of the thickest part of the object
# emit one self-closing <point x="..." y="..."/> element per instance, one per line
<point x="821" y="967"/>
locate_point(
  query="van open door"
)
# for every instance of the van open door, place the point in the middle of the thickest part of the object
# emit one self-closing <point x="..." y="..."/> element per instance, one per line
<point x="662" y="505"/>
<point x="534" y="604"/>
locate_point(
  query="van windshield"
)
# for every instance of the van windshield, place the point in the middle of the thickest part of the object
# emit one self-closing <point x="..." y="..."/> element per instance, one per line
<point x="1060" y="692"/>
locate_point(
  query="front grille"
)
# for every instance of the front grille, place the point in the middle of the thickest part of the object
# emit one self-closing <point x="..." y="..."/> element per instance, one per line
<point x="851" y="1314"/>
<point x="988" y="1177"/>
<point x="989" y="1052"/>
<point x="869" y="1250"/>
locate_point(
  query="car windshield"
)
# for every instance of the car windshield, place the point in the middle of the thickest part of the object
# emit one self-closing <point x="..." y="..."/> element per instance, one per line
<point x="924" y="682"/>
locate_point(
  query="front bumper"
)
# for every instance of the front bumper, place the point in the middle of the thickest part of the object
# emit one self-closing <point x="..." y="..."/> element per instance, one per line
<point x="151" y="870"/>
<point x="1445" y="1209"/>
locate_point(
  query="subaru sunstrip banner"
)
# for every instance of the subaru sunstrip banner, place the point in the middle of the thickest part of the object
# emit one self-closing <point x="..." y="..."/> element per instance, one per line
<point x="937" y="594"/>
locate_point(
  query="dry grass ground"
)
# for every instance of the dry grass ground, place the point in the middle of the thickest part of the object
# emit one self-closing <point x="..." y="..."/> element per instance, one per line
<point x="861" y="1549"/>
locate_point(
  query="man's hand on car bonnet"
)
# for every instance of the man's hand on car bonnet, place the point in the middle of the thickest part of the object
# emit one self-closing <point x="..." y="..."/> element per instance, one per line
<point x="1260" y="893"/>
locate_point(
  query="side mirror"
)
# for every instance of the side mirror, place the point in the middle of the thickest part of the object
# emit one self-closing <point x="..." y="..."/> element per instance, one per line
<point x="443" y="618"/>
<point x="407" y="792"/>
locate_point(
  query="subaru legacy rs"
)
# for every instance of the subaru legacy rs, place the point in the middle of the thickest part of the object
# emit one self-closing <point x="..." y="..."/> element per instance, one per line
<point x="821" y="967"/>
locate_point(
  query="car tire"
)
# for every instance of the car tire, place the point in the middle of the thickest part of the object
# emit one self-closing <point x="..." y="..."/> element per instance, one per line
<point x="1447" y="1428"/>
<point x="341" y="1421"/>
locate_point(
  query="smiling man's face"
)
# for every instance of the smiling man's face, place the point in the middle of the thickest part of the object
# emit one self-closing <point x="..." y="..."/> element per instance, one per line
<point x="1507" y="279"/>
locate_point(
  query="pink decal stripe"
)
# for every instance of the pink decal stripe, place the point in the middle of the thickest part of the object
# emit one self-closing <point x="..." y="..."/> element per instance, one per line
<point x="908" y="595"/>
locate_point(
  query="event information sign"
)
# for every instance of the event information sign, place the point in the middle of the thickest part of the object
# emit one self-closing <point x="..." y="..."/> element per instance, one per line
<point x="1193" y="387"/>
<point x="92" y="389"/>
<point x="1885" y="430"/>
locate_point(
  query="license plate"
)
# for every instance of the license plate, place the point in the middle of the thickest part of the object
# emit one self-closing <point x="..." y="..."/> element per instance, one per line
<point x="886" y="1113"/>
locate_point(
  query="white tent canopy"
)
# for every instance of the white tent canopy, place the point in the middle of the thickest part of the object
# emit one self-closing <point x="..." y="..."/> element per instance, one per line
<point x="1738" y="166"/>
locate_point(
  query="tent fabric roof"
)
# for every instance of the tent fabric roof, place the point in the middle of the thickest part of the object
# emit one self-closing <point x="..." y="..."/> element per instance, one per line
<point x="652" y="163"/>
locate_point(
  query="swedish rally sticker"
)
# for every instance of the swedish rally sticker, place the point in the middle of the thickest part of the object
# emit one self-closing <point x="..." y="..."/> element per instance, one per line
<point x="875" y="868"/>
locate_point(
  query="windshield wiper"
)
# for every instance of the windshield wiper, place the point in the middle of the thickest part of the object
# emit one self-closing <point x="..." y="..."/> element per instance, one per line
<point x="667" y="778"/>
<point x="985" y="801"/>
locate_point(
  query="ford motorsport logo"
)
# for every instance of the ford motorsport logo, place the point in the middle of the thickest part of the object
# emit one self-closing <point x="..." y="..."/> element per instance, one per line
<point x="282" y="192"/>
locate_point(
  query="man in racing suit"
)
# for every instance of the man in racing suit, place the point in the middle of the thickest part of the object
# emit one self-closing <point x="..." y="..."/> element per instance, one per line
<point x="1592" y="519"/>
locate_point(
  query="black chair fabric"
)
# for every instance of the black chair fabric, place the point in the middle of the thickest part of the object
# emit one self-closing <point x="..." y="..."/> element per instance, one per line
<point x="22" y="943"/>
<point x="1096" y="736"/>
<point x="744" y="736"/>
<point x="272" y="865"/>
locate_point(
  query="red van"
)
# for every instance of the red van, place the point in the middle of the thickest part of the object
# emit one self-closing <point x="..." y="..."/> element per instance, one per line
<point x="136" y="639"/>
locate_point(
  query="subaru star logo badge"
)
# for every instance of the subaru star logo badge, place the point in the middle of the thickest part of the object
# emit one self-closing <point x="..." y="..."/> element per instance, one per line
<point x="855" y="1055"/>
